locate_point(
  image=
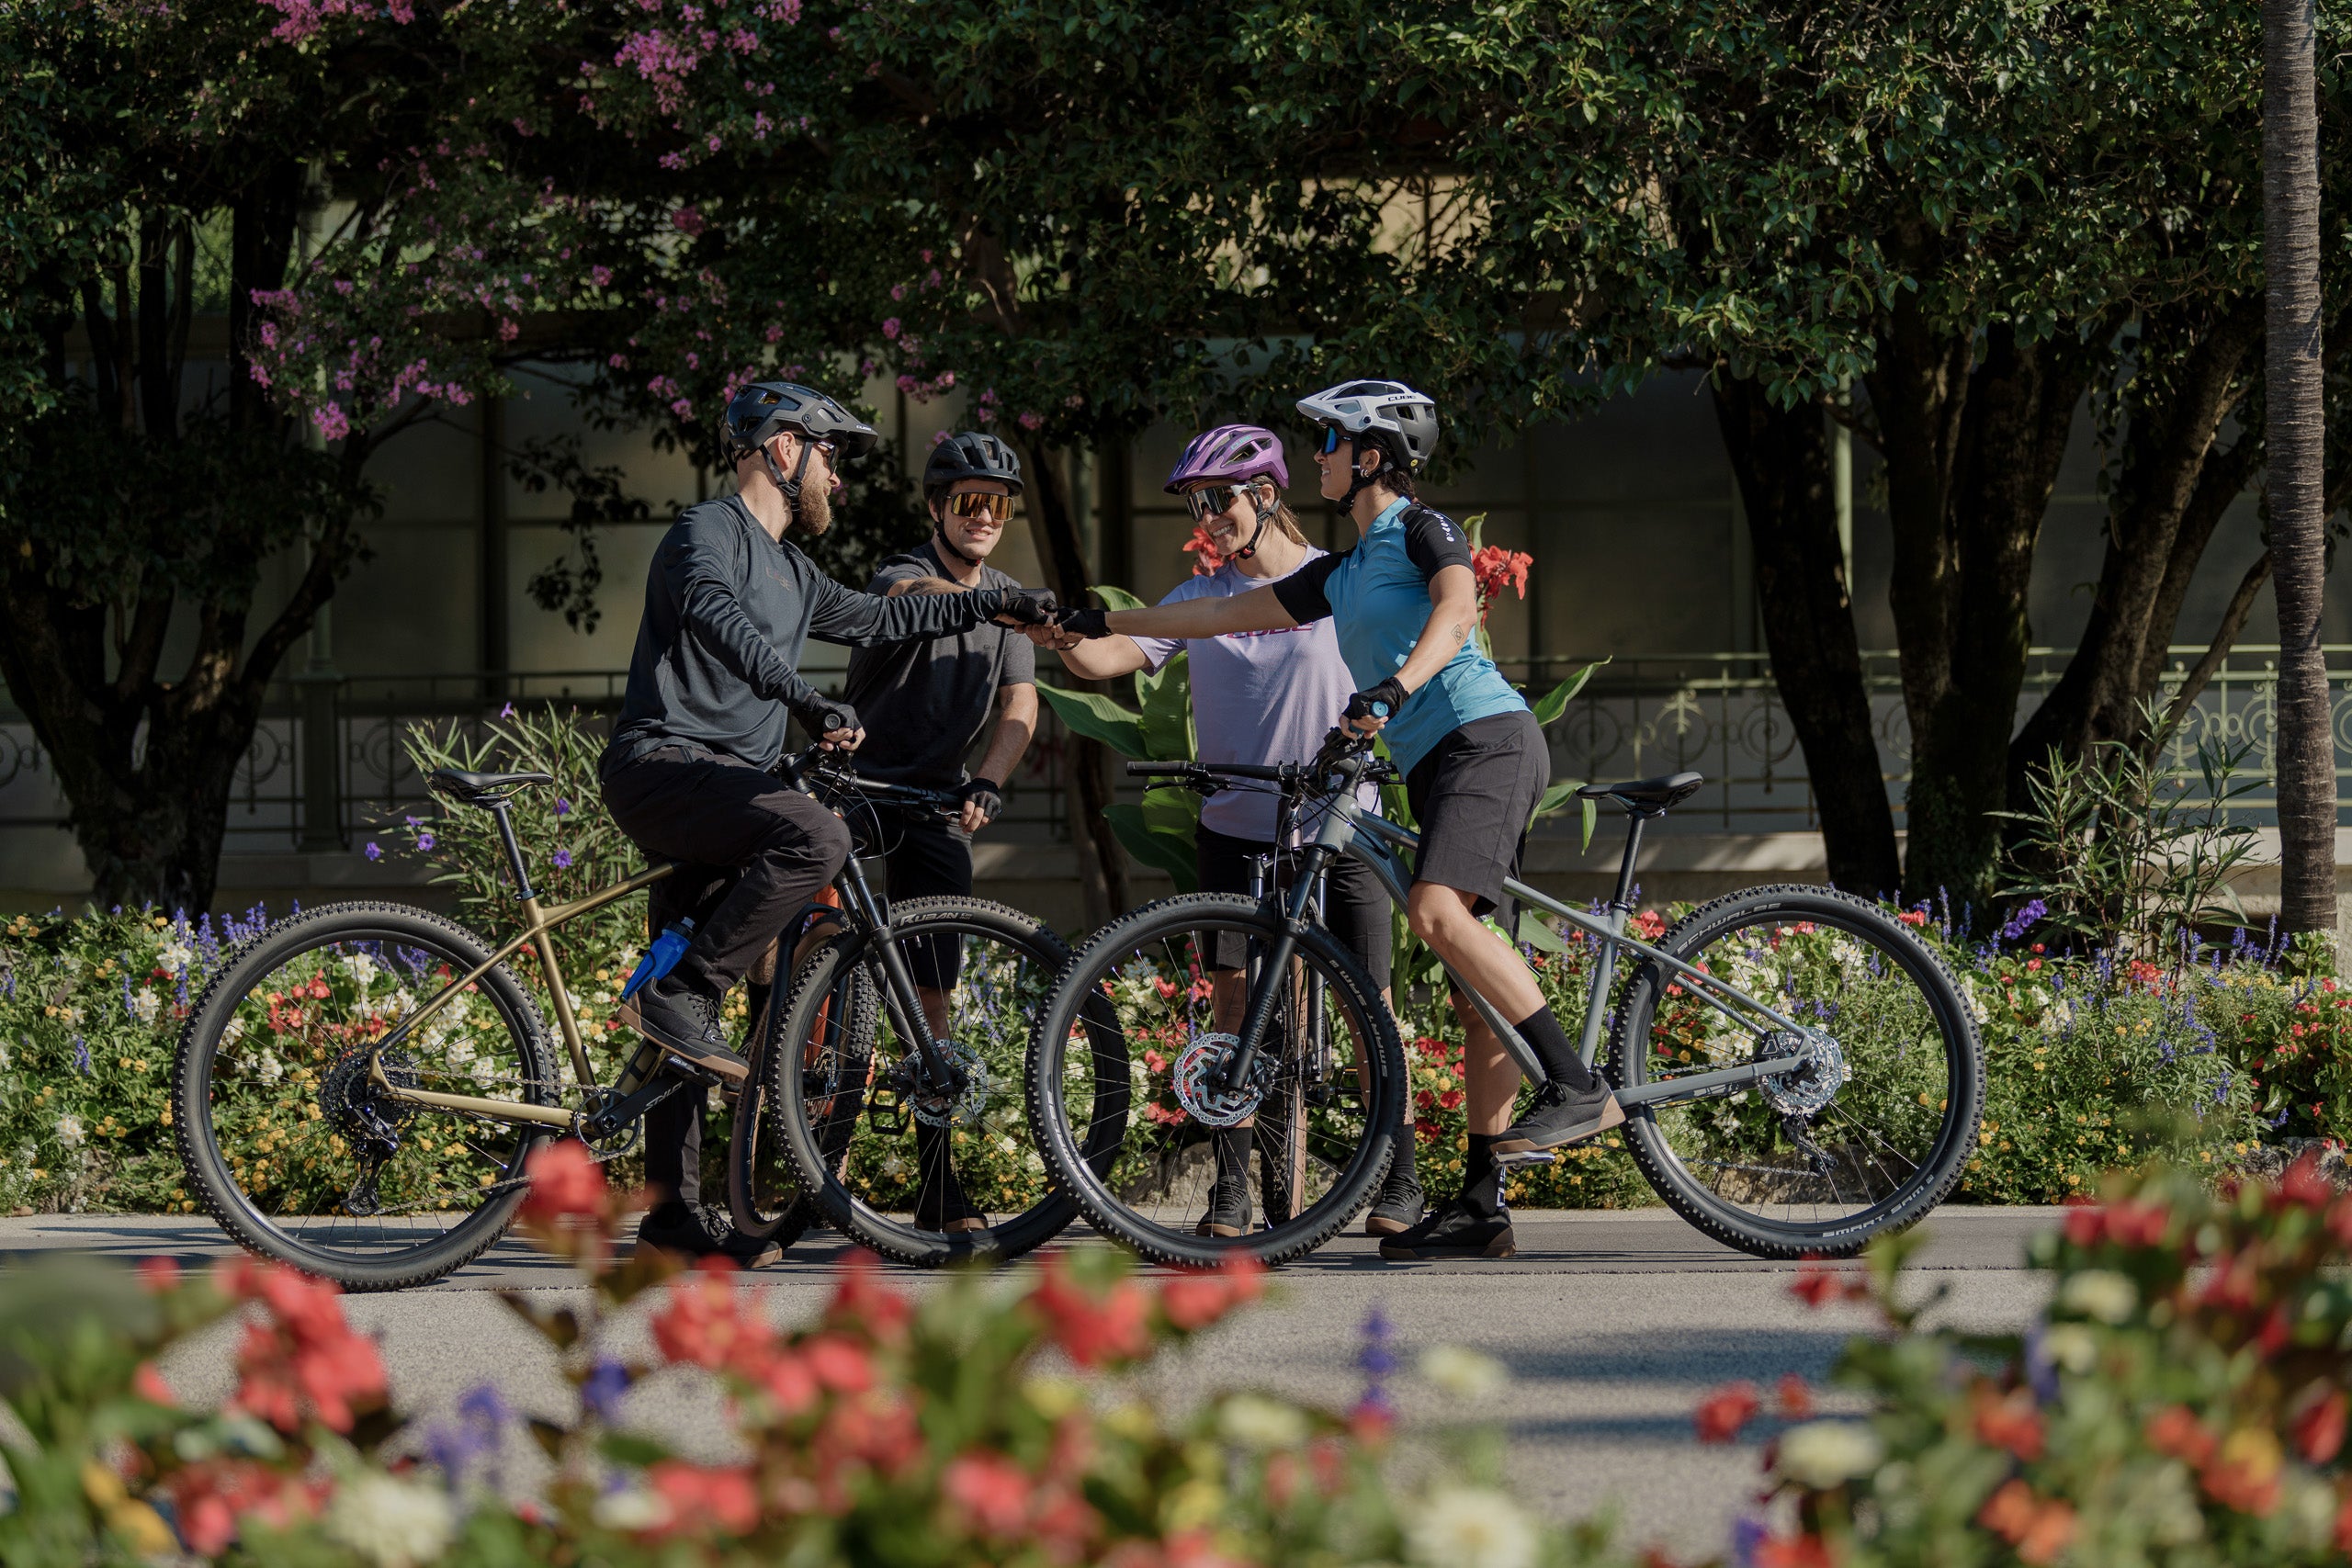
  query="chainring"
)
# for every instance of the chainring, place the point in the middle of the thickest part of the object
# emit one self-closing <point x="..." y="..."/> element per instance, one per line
<point x="1805" y="1088"/>
<point x="611" y="1145"/>
<point x="937" y="1107"/>
<point x="1213" y="1104"/>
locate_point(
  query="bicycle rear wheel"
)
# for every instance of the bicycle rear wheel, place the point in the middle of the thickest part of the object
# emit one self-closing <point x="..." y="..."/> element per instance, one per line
<point x="920" y="1176"/>
<point x="295" y="1149"/>
<point x="1867" y="1136"/>
<point x="1124" y="1091"/>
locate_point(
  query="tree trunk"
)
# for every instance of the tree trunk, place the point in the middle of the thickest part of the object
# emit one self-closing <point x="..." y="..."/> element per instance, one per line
<point x="2294" y="439"/>
<point x="1971" y="455"/>
<point x="1782" y="459"/>
<point x="1101" y="860"/>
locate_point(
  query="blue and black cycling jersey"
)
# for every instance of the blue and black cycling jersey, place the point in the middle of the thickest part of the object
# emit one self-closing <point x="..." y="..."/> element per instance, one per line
<point x="1377" y="595"/>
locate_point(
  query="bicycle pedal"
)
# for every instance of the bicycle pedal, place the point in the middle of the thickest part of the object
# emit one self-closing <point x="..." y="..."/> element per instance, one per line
<point x="887" y="1116"/>
<point x="1519" y="1157"/>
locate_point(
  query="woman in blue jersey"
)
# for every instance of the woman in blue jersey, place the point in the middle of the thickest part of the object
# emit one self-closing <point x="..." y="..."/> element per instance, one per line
<point x="1405" y="603"/>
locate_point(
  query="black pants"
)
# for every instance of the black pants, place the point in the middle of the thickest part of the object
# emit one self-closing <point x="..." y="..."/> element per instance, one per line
<point x="926" y="856"/>
<point x="1355" y="906"/>
<point x="750" y="851"/>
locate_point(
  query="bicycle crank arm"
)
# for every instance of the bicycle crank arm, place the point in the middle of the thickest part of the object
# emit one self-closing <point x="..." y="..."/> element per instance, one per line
<point x="1697" y="1086"/>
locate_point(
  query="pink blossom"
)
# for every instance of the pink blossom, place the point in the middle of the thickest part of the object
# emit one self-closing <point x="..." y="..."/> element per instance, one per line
<point x="713" y="143"/>
<point x="897" y="291"/>
<point x="760" y="127"/>
<point x="682" y="408"/>
<point x="774" y="334"/>
<point x="1031" y="421"/>
<point x="890" y="327"/>
<point x="618" y="362"/>
<point x="687" y="221"/>
<point x="600" y="275"/>
<point x="744" y="40"/>
<point x="343" y="286"/>
<point x="333" y="422"/>
<point x="673" y="161"/>
<point x="269" y="335"/>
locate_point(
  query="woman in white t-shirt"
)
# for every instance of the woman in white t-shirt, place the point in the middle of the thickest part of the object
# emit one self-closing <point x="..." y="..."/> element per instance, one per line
<point x="1260" y="697"/>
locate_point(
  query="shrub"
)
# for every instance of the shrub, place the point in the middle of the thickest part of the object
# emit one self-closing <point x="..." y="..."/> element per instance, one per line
<point x="2182" y="1401"/>
<point x="993" y="1422"/>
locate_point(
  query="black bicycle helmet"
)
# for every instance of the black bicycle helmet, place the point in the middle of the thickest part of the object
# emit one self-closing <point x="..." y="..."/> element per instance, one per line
<point x="970" y="455"/>
<point x="764" y="409"/>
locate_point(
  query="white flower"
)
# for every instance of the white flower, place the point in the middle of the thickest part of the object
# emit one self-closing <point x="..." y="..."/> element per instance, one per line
<point x="269" y="1068"/>
<point x="2070" y="1346"/>
<point x="389" y="1522"/>
<point x="231" y="1032"/>
<point x="1465" y="1374"/>
<point x="631" y="1508"/>
<point x="1256" y="1422"/>
<point x="145" y="1004"/>
<point x="1822" y="1454"/>
<point x="2101" y="1294"/>
<point x="360" y="968"/>
<point x="175" y="955"/>
<point x="70" y="1133"/>
<point x="1471" y="1526"/>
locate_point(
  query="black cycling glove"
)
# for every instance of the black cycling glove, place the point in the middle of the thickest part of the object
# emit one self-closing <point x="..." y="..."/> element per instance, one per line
<point x="988" y="795"/>
<point x="1026" y="606"/>
<point x="827" y="714"/>
<point x="1376" y="702"/>
<point x="1086" y="621"/>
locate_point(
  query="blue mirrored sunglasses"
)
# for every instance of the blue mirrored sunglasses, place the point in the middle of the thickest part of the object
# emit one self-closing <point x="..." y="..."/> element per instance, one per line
<point x="1330" y="439"/>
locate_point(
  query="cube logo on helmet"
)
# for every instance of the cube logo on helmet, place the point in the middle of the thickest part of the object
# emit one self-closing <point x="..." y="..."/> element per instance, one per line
<point x="1388" y="416"/>
<point x="764" y="409"/>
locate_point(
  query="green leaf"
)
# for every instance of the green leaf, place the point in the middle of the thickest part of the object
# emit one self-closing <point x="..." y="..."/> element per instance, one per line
<point x="628" y="1447"/>
<point x="1553" y="703"/>
<point x="1116" y="598"/>
<point x="1537" y="932"/>
<point x="1165" y="851"/>
<point x="1097" y="717"/>
<point x="1165" y="699"/>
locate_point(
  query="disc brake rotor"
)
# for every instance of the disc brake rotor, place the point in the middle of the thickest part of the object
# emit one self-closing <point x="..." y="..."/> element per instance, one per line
<point x="937" y="1107"/>
<point x="1210" y="1101"/>
<point x="1821" y="1071"/>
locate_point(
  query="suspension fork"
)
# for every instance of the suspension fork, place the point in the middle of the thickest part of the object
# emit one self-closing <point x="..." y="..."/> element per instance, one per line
<point x="897" y="982"/>
<point x="1296" y="910"/>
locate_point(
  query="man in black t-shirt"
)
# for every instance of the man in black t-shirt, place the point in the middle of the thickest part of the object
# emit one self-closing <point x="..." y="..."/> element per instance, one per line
<point x="925" y="704"/>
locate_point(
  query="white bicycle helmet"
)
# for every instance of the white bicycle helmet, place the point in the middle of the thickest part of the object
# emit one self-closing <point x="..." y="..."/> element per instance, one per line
<point x="1392" y="417"/>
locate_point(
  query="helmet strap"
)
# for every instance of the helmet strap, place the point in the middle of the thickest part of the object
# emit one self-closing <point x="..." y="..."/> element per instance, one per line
<point x="1257" y="533"/>
<point x="789" y="487"/>
<point x="1360" y="481"/>
<point x="939" y="536"/>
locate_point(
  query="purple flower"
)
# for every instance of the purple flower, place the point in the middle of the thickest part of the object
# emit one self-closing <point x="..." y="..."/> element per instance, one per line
<point x="563" y="806"/>
<point x="81" y="1056"/>
<point x="424" y="840"/>
<point x="564" y="860"/>
<point x="506" y="711"/>
<point x="602" y="1392"/>
<point x="375" y="850"/>
<point x="2022" y="920"/>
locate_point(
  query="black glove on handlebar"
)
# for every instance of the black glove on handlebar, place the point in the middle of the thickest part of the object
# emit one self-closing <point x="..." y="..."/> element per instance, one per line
<point x="827" y="717"/>
<point x="1376" y="702"/>
<point x="1026" y="606"/>
<point x="1086" y="621"/>
<point x="986" y="794"/>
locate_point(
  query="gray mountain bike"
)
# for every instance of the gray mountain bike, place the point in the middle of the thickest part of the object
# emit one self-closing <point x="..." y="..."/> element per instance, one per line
<point x="1800" y="1073"/>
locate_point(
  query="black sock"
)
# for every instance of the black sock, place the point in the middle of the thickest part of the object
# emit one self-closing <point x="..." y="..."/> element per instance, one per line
<point x="1482" y="1178"/>
<point x="1233" y="1152"/>
<point x="1553" y="1050"/>
<point x="1404" y="1167"/>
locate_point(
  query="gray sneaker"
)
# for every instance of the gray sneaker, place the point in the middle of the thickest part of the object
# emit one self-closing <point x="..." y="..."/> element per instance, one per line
<point x="685" y="1023"/>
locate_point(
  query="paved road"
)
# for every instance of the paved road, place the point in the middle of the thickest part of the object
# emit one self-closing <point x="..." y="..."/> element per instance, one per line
<point x="1612" y="1325"/>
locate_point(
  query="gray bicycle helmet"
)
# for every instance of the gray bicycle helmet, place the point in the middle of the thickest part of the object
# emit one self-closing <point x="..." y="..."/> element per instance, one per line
<point x="766" y="409"/>
<point x="1390" y="415"/>
<point x="970" y="455"/>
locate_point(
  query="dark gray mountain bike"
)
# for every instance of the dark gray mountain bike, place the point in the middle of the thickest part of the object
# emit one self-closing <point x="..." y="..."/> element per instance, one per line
<point x="1800" y="1073"/>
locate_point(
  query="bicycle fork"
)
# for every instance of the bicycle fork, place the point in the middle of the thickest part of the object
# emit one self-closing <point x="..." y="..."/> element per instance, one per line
<point x="897" y="982"/>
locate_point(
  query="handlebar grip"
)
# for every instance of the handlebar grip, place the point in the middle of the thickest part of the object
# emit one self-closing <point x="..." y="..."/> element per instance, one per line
<point x="830" y="719"/>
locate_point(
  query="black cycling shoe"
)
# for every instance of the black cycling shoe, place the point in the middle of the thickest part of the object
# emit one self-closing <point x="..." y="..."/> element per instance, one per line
<point x="1399" y="1206"/>
<point x="1560" y="1115"/>
<point x="702" y="1230"/>
<point x="685" y="1023"/>
<point x="1452" y="1230"/>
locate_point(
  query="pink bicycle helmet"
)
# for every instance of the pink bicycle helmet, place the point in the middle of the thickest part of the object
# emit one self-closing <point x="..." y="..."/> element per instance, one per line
<point x="1231" y="453"/>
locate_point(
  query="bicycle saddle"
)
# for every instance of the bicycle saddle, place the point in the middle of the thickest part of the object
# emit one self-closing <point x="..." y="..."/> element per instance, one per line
<point x="482" y="789"/>
<point x="1654" y="794"/>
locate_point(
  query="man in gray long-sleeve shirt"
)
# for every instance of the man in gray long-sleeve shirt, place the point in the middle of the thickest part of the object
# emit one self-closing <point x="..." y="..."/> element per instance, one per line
<point x="729" y="605"/>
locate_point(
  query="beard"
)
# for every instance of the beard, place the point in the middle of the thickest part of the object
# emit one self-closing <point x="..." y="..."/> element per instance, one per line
<point x="813" y="513"/>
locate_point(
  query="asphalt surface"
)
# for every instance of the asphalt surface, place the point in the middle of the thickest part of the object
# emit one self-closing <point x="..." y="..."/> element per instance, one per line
<point x="1612" y="1326"/>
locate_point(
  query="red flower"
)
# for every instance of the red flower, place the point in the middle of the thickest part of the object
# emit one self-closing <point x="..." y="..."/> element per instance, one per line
<point x="838" y="1364"/>
<point x="2244" y="1471"/>
<point x="2134" y="1223"/>
<point x="701" y="1500"/>
<point x="565" y="1181"/>
<point x="1817" y="1287"/>
<point x="211" y="1496"/>
<point x="309" y="1359"/>
<point x="2177" y="1434"/>
<point x="862" y="1301"/>
<point x="1498" y="569"/>
<point x="1200" y="544"/>
<point x="790" y="1382"/>
<point x="2038" y="1531"/>
<point x="991" y="1491"/>
<point x="1913" y="916"/>
<point x="149" y="1384"/>
<point x="2319" y="1426"/>
<point x="2304" y="1187"/>
<point x="707" y="1324"/>
<point x="158" y="1275"/>
<point x="1721" y="1414"/>
<point x="1794" y="1398"/>
<point x="2012" y="1423"/>
<point x="1091" y="1332"/>
<point x="1792" y="1552"/>
<point x="1192" y="1301"/>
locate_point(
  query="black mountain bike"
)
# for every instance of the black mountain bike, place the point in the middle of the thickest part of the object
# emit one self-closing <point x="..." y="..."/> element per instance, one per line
<point x="1800" y="1073"/>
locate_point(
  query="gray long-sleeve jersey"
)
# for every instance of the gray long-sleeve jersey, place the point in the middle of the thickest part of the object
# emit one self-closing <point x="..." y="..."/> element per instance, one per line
<point x="728" y="611"/>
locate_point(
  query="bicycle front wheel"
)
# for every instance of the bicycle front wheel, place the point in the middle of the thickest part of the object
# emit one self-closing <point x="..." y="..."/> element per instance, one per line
<point x="290" y="1139"/>
<point x="1866" y="1136"/>
<point x="1129" y="1093"/>
<point x="767" y="1195"/>
<point x="921" y="1173"/>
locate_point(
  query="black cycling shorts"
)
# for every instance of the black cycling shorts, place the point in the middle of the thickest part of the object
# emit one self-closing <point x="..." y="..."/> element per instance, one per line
<point x="927" y="855"/>
<point x="1355" y="906"/>
<point x="1471" y="796"/>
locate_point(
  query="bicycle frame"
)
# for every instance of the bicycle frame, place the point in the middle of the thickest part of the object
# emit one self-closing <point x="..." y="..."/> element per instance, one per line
<point x="1350" y="830"/>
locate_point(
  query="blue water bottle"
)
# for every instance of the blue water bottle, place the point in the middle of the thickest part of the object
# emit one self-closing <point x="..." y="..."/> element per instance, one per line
<point x="668" y="948"/>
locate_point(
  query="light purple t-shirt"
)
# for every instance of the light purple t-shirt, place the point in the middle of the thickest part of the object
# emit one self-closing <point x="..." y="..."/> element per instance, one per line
<point x="1257" y="697"/>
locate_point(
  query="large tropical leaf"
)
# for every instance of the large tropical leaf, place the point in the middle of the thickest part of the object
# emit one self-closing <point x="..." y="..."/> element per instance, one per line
<point x="1553" y="703"/>
<point x="1555" y="800"/>
<point x="1097" y="717"/>
<point x="1165" y="702"/>
<point x="1169" y="851"/>
<point x="1116" y="598"/>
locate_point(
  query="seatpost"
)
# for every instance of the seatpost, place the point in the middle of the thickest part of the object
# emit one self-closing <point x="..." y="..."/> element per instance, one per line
<point x="1624" y="899"/>
<point x="514" y="853"/>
